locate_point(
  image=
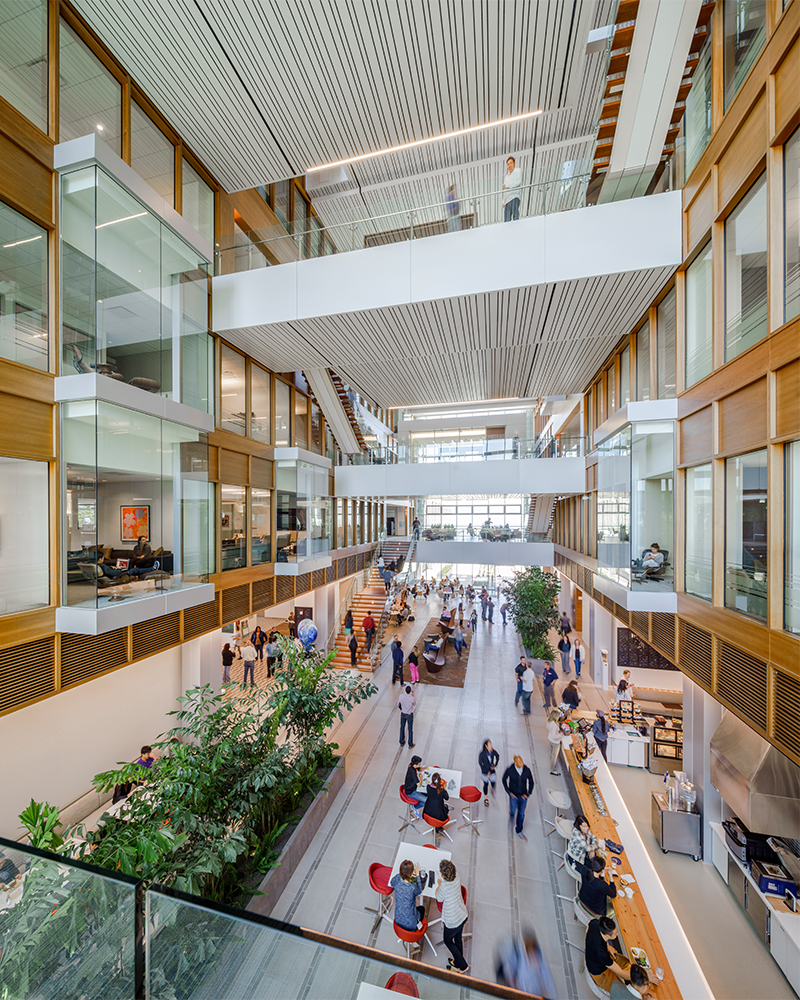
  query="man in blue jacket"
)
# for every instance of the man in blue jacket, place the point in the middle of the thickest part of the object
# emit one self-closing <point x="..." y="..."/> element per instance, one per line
<point x="549" y="679"/>
<point x="397" y="662"/>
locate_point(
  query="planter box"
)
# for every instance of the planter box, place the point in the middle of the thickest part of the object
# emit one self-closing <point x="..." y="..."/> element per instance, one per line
<point x="276" y="880"/>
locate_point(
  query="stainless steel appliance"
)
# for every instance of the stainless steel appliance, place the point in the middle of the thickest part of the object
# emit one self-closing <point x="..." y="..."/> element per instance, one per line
<point x="675" y="829"/>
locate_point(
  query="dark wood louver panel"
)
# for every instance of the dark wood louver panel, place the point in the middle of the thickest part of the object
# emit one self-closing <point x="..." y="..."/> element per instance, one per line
<point x="27" y="673"/>
<point x="200" y="619"/>
<point x="148" y="638"/>
<point x="303" y="583"/>
<point x="284" y="589"/>
<point x="640" y="622"/>
<point x="86" y="656"/>
<point x="742" y="683"/>
<point x="620" y="612"/>
<point x="332" y="572"/>
<point x="351" y="565"/>
<point x="696" y="653"/>
<point x="663" y="633"/>
<point x="342" y="569"/>
<point x="786" y="711"/>
<point x="318" y="578"/>
<point x="235" y="603"/>
<point x="263" y="593"/>
<point x="360" y="560"/>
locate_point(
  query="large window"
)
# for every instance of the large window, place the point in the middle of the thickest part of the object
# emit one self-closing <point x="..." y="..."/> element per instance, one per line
<point x="282" y="414"/>
<point x="625" y="377"/>
<point x="697" y="117"/>
<point x="699" y="532"/>
<point x="152" y="154"/>
<point x="300" y="420"/>
<point x="90" y="97"/>
<point x="23" y="290"/>
<point x="745" y="27"/>
<point x="792" y="555"/>
<point x="25" y="535"/>
<point x="791" y="166"/>
<point x="746" y="271"/>
<point x="233" y="409"/>
<point x="198" y="202"/>
<point x="746" y="533"/>
<point x="614" y="508"/>
<point x="23" y="58"/>
<point x="652" y="503"/>
<point x="699" y="318"/>
<point x="260" y="526"/>
<point x="233" y="526"/>
<point x="316" y="429"/>
<point x="303" y="511"/>
<point x="260" y="404"/>
<point x="643" y="361"/>
<point x="665" y="335"/>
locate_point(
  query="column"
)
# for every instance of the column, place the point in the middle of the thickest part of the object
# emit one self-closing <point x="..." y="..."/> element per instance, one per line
<point x="201" y="662"/>
<point x="701" y="716"/>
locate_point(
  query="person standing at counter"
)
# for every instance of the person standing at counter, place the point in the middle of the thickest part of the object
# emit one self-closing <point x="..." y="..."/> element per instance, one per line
<point x="571" y="697"/>
<point x="603" y="962"/>
<point x="623" y="692"/>
<point x="600" y="733"/>
<point x="626" y="676"/>
<point x="528" y="679"/>
<point x="554" y="737"/>
<point x="595" y="893"/>
<point x="582" y="843"/>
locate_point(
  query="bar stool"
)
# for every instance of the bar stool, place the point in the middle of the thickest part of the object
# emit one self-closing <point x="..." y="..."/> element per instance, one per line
<point x="408" y="819"/>
<point x="597" y="990"/>
<point x="401" y="982"/>
<point x="564" y="830"/>
<point x="470" y="794"/>
<point x="438" y="828"/>
<point x="560" y="802"/>
<point x="410" y="938"/>
<point x="379" y="881"/>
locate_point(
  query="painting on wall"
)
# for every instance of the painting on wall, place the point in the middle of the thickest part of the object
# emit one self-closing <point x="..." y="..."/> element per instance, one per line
<point x="134" y="522"/>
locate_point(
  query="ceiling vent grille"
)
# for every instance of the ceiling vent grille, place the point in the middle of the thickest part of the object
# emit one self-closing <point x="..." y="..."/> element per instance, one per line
<point x="263" y="593"/>
<point x="284" y="591"/>
<point x="318" y="578"/>
<point x="742" y="682"/>
<point x="200" y="619"/>
<point x="786" y="711"/>
<point x="86" y="656"/>
<point x="640" y="622"/>
<point x="155" y="635"/>
<point x="620" y="612"/>
<point x="663" y="633"/>
<point x="27" y="673"/>
<point x="695" y="653"/>
<point x="235" y="603"/>
<point x="303" y="583"/>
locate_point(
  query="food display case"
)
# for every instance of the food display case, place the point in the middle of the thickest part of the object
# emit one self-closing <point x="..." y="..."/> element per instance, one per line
<point x="666" y="746"/>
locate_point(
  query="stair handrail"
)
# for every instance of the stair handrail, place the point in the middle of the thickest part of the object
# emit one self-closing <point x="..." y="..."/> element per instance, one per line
<point x="400" y="580"/>
<point x="362" y="579"/>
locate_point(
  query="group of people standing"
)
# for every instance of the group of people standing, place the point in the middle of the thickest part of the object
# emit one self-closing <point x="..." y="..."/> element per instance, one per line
<point x="255" y="648"/>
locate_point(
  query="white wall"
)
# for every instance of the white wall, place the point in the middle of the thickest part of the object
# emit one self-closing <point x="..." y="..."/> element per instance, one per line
<point x="605" y="239"/>
<point x="486" y="553"/>
<point x="52" y="750"/>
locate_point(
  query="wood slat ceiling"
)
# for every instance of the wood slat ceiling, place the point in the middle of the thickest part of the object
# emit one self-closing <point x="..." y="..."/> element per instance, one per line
<point x="262" y="89"/>
<point x="536" y="341"/>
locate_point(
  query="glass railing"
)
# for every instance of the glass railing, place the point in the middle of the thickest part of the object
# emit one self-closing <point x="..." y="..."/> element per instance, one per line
<point x="481" y="533"/>
<point x="265" y="247"/>
<point x="469" y="450"/>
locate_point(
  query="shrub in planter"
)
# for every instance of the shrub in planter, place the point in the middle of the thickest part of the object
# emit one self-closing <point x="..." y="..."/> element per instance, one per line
<point x="531" y="597"/>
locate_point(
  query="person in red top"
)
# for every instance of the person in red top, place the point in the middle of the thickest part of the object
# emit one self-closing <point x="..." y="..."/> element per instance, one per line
<point x="369" y="630"/>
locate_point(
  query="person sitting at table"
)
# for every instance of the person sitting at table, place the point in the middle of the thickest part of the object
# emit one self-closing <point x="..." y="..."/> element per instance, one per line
<point x="596" y="893"/>
<point x="412" y="786"/>
<point x="603" y="961"/>
<point x="582" y="843"/>
<point x="638" y="986"/>
<point x="445" y="616"/>
<point x="407" y="886"/>
<point x="653" y="561"/>
<point x="436" y="801"/>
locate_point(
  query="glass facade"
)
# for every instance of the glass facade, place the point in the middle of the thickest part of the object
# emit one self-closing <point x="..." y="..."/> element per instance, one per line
<point x="699" y="329"/>
<point x="197" y="202"/>
<point x="233" y="393"/>
<point x="665" y="340"/>
<point x="791" y="181"/>
<point x="746" y="533"/>
<point x="23" y="290"/>
<point x="625" y="377"/>
<point x="137" y="504"/>
<point x="233" y="526"/>
<point x="134" y="296"/>
<point x="260" y="526"/>
<point x="614" y="508"/>
<point x="699" y="532"/>
<point x="24" y="535"/>
<point x="282" y="414"/>
<point x="791" y="571"/>
<point x="745" y="28"/>
<point x="643" y="361"/>
<point x="23" y="58"/>
<point x="697" y="116"/>
<point x="260" y="404"/>
<point x="303" y="511"/>
<point x="152" y="154"/>
<point x="746" y="288"/>
<point x="90" y="97"/>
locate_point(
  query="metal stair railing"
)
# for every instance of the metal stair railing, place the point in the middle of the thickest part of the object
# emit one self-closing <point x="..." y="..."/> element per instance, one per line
<point x="400" y="581"/>
<point x="357" y="584"/>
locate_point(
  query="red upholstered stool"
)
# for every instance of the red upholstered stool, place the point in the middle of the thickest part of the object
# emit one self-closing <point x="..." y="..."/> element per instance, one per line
<point x="438" y="828"/>
<point x="470" y="794"/>
<point x="379" y="881"/>
<point x="408" y="819"/>
<point x="401" y="982"/>
<point x="412" y="938"/>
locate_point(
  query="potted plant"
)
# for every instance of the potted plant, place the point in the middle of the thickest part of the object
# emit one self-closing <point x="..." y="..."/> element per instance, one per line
<point x="531" y="598"/>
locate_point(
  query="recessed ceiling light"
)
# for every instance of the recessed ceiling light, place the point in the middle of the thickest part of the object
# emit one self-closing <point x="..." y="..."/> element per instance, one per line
<point x="124" y="218"/>
<point x="425" y="142"/>
<point x="99" y="128"/>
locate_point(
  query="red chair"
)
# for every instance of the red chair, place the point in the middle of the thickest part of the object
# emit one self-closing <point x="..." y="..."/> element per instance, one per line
<point x="401" y="982"/>
<point x="470" y="794"/>
<point x="408" y="819"/>
<point x="438" y="828"/>
<point x="379" y="881"/>
<point x="411" y="938"/>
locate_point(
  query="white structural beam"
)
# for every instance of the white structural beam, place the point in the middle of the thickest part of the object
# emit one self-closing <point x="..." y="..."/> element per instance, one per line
<point x="486" y="553"/>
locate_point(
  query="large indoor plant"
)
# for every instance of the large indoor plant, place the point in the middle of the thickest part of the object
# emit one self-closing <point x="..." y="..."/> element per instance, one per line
<point x="531" y="598"/>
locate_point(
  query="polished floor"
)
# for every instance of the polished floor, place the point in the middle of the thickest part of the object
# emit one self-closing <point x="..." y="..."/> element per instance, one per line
<point x="511" y="884"/>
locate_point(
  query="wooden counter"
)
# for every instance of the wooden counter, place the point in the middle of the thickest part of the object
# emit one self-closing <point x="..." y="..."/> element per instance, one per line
<point x="633" y="918"/>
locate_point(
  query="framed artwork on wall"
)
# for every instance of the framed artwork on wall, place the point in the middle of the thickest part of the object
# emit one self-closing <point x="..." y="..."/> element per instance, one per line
<point x="134" y="522"/>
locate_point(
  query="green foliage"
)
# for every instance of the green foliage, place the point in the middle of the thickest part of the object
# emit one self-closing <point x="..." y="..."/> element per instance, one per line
<point x="531" y="598"/>
<point x="41" y="821"/>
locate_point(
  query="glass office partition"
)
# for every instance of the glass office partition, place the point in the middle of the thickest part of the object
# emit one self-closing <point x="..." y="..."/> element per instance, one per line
<point x="614" y="508"/>
<point x="699" y="301"/>
<point x="643" y="361"/>
<point x="24" y="535"/>
<point x="625" y="377"/>
<point x="697" y="117"/>
<point x="198" y="202"/>
<point x="791" y="570"/>
<point x="90" y="96"/>
<point x="152" y="154"/>
<point x="23" y="80"/>
<point x="665" y="346"/>
<point x="260" y="404"/>
<point x="303" y="511"/>
<point x="791" y="204"/>
<point x="233" y="393"/>
<point x="746" y="555"/>
<point x="301" y="421"/>
<point x="282" y="414"/>
<point x="699" y="532"/>
<point x="316" y="429"/>
<point x="23" y="290"/>
<point x="260" y="526"/>
<point x="746" y="288"/>
<point x="233" y="526"/>
<point x="745" y="28"/>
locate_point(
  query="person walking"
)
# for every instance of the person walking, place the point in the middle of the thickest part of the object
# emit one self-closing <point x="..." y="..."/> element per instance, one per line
<point x="503" y="610"/>
<point x="461" y="614"/>
<point x="528" y="679"/>
<point x="272" y="653"/>
<point x="484" y="604"/>
<point x="348" y="622"/>
<point x="454" y="914"/>
<point x="397" y="661"/>
<point x="249" y="657"/>
<point x="290" y="621"/>
<point x="407" y="704"/>
<point x="352" y="645"/>
<point x="512" y="186"/>
<point x="549" y="679"/>
<point x="490" y="610"/>
<point x="416" y="526"/>
<point x="458" y="640"/>
<point x="518" y="783"/>
<point x="600" y="733"/>
<point x="452" y="208"/>
<point x="523" y="966"/>
<point x="380" y="566"/>
<point x="227" y="660"/>
<point x="488" y="759"/>
<point x="259" y="641"/>
<point x="564" y="647"/>
<point x="554" y="738"/>
<point x="519" y="670"/>
<point x="565" y="626"/>
<point x="473" y="621"/>
<point x="388" y="575"/>
<point x="577" y="655"/>
<point x="413" y="665"/>
<point x="369" y="630"/>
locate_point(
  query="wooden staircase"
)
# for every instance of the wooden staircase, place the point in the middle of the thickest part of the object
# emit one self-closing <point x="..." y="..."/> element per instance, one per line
<point x="370" y="600"/>
<point x="394" y="548"/>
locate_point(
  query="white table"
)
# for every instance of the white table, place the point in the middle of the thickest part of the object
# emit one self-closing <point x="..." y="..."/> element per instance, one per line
<point x="425" y="857"/>
<point x="367" y="991"/>
<point x="453" y="779"/>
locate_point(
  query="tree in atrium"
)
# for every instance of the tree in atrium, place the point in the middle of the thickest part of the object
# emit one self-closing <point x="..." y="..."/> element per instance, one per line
<point x="532" y="597"/>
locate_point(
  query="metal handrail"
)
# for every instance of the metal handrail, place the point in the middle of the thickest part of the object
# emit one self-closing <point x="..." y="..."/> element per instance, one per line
<point x="344" y="604"/>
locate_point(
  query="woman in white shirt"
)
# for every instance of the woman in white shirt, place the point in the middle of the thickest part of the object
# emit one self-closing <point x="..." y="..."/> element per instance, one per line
<point x="454" y="914"/>
<point x="623" y="691"/>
